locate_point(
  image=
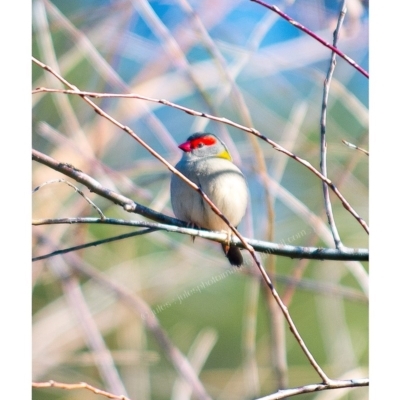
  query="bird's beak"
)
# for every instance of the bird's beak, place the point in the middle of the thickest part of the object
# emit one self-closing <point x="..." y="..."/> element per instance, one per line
<point x="185" y="147"/>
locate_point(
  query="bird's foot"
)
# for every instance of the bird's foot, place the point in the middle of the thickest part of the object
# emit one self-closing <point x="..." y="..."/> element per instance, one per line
<point x="192" y="225"/>
<point x="226" y="245"/>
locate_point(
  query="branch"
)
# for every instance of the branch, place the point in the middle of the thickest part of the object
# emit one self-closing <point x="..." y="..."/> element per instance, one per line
<point x="312" y="34"/>
<point x="353" y="146"/>
<point x="80" y="385"/>
<point x="102" y="216"/>
<point x="334" y="384"/>
<point x="312" y="253"/>
<point x="86" y="245"/>
<point x="324" y="145"/>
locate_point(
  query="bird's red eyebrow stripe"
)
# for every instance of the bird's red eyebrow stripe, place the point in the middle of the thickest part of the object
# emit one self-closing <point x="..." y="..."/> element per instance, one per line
<point x="206" y="140"/>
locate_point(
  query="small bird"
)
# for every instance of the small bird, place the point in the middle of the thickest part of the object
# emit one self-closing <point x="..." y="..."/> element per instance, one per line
<point x="207" y="163"/>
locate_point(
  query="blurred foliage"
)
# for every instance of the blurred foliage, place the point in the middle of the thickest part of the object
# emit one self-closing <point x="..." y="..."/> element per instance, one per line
<point x="157" y="49"/>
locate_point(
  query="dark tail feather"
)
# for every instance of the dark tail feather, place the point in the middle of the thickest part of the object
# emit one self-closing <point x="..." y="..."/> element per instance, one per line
<point x="233" y="254"/>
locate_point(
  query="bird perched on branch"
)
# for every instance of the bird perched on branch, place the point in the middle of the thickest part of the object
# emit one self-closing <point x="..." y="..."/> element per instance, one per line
<point x="207" y="163"/>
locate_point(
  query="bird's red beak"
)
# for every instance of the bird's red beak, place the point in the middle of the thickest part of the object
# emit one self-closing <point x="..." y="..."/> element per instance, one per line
<point x="186" y="147"/>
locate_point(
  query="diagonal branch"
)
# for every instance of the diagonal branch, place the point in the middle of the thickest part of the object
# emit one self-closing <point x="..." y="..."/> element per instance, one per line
<point x="353" y="146"/>
<point x="313" y="35"/>
<point x="102" y="216"/>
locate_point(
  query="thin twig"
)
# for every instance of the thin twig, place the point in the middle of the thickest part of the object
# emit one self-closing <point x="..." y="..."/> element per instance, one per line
<point x="223" y="120"/>
<point x="91" y="244"/>
<point x="102" y="216"/>
<point x="324" y="145"/>
<point x="353" y="146"/>
<point x="74" y="386"/>
<point x="312" y="34"/>
<point x="334" y="384"/>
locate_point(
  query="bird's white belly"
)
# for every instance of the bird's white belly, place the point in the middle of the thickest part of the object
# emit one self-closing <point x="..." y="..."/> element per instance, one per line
<point x="221" y="181"/>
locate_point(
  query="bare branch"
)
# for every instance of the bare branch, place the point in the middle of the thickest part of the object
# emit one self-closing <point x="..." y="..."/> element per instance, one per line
<point x="334" y="384"/>
<point x="102" y="216"/>
<point x="312" y="253"/>
<point x="353" y="146"/>
<point x="324" y="145"/>
<point x="91" y="244"/>
<point x="312" y="34"/>
<point x="74" y="386"/>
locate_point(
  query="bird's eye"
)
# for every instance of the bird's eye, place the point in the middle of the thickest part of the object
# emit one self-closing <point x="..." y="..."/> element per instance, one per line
<point x="200" y="145"/>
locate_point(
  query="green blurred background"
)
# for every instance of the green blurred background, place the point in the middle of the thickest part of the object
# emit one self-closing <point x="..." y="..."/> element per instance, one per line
<point x="232" y="59"/>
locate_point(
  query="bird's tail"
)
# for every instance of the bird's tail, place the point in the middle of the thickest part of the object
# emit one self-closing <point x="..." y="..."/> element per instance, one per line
<point x="233" y="254"/>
